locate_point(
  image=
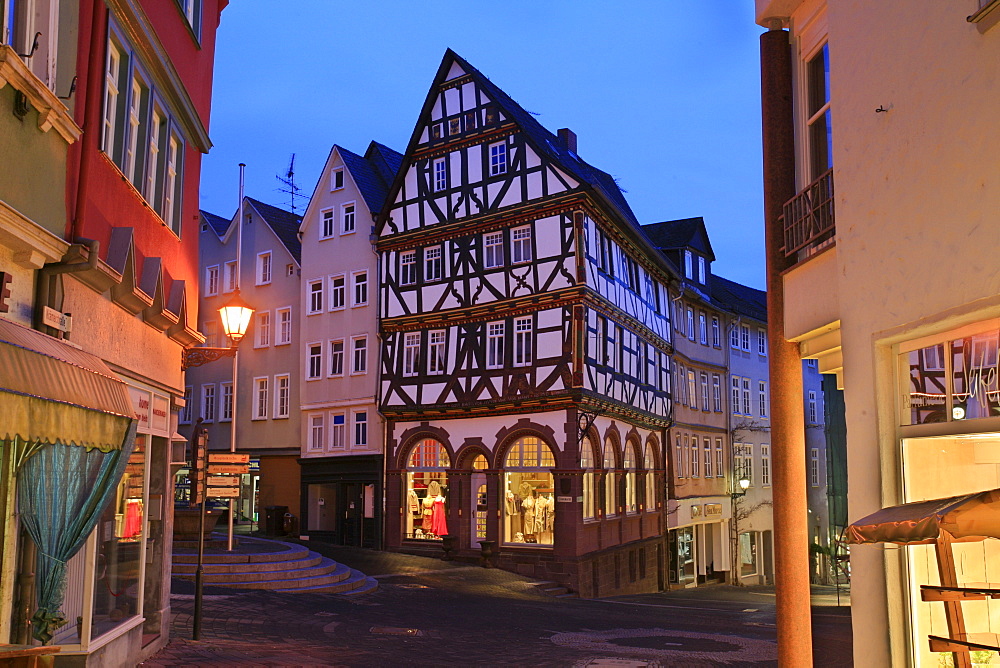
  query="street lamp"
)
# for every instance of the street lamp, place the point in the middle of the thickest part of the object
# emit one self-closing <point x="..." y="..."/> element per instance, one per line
<point x="743" y="482"/>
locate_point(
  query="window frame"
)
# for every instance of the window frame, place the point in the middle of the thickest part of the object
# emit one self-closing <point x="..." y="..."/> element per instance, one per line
<point x="411" y="354"/>
<point x="264" y="268"/>
<point x="493" y="250"/>
<point x="262" y="329"/>
<point x="314" y="360"/>
<point x="356" y="368"/>
<point x="338" y="292"/>
<point x="281" y="339"/>
<point x="348" y="218"/>
<point x="315" y="298"/>
<point x="359" y="292"/>
<point x="521" y="244"/>
<point x="439" y="174"/>
<point x="261" y="398"/>
<point x="282" y="396"/>
<point x="523" y="353"/>
<point x="335" y="359"/>
<point x="498" y="158"/>
<point x="327" y="223"/>
<point x="213" y="280"/>
<point x="433" y="259"/>
<point x="437" y="352"/>
<point x="408" y="267"/>
<point x="360" y="429"/>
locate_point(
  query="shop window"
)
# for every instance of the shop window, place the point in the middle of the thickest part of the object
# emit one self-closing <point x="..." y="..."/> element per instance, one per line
<point x="610" y="488"/>
<point x="426" y="498"/>
<point x="589" y="492"/>
<point x="649" y="465"/>
<point x="479" y="465"/>
<point x="748" y="553"/>
<point x="529" y="504"/>
<point x="631" y="493"/>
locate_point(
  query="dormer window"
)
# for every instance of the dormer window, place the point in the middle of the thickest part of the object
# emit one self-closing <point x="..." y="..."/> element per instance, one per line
<point x="688" y="265"/>
<point x="702" y="274"/>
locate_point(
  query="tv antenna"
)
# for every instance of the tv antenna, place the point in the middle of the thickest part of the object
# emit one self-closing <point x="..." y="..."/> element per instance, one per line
<point x="288" y="181"/>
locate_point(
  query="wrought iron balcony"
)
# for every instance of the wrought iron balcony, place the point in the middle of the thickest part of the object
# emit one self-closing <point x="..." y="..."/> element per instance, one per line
<point x="809" y="219"/>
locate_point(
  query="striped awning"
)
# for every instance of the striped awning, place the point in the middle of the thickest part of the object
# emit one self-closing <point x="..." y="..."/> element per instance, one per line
<point x="55" y="393"/>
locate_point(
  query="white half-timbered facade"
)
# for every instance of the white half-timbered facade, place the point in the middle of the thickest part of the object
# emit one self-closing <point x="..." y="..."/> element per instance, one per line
<point x="525" y="349"/>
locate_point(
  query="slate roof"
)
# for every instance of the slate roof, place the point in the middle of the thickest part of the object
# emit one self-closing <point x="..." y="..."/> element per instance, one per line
<point x="285" y="225"/>
<point x="373" y="173"/>
<point x="218" y="223"/>
<point x="549" y="144"/>
<point x="739" y="298"/>
<point x="677" y="234"/>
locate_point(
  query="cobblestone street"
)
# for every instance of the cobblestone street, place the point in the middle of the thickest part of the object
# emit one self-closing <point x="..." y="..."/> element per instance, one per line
<point x="431" y="612"/>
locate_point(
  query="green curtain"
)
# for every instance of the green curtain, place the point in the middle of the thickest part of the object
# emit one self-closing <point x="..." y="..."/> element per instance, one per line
<point x="62" y="491"/>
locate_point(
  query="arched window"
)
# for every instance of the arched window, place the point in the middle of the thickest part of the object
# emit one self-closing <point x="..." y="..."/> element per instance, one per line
<point x="528" y="501"/>
<point x="610" y="488"/>
<point x="426" y="491"/>
<point x="589" y="491"/>
<point x="648" y="464"/>
<point x="631" y="493"/>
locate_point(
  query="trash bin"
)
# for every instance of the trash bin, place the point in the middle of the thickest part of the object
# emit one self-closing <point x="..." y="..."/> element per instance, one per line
<point x="291" y="524"/>
<point x="274" y="519"/>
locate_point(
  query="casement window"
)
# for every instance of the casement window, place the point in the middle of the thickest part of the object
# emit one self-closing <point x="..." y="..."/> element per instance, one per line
<point x="744" y="338"/>
<point x="226" y="414"/>
<point x="610" y="486"/>
<point x="812" y="410"/>
<point x="665" y="374"/>
<point x="765" y="465"/>
<point x="820" y="130"/>
<point x="263" y="329"/>
<point x="520" y="244"/>
<point x="746" y="396"/>
<point x="440" y="174"/>
<point x="692" y="390"/>
<point x="705" y="405"/>
<point x="688" y="265"/>
<point x="649" y="466"/>
<point x="360" y="429"/>
<point x="707" y="451"/>
<point x="326" y="223"/>
<point x="498" y="158"/>
<point x="814" y="467"/>
<point x="284" y="326"/>
<point x="678" y="457"/>
<point x="314" y="361"/>
<point x="314" y="296"/>
<point x="433" y="264"/>
<point x="360" y="288"/>
<point x="338" y="431"/>
<point x="703" y="329"/>
<point x="589" y="506"/>
<point x="734" y="337"/>
<point x="716" y="393"/>
<point x="762" y="398"/>
<point x="282" y="396"/>
<point x="679" y="315"/>
<point x="680" y="382"/>
<point x="359" y="347"/>
<point x="524" y="344"/>
<point x="139" y="135"/>
<point x="261" y="393"/>
<point x="411" y="353"/>
<point x="761" y="342"/>
<point x="211" y="334"/>
<point x="631" y="271"/>
<point x="336" y="179"/>
<point x="631" y="485"/>
<point x="695" y="460"/>
<point x="436" y="352"/>
<point x="605" y="253"/>
<point x="316" y="432"/>
<point x="408" y="267"/>
<point x="494" y="345"/>
<point x="719" y="459"/>
<point x="231" y="278"/>
<point x="748" y="462"/>
<point x="690" y="324"/>
<point x="192" y="13"/>
<point x="347" y="223"/>
<point x="702" y="274"/>
<point x="716" y="333"/>
<point x="185" y="415"/>
<point x="736" y="395"/>
<point x="336" y="366"/>
<point x="338" y="296"/>
<point x="212" y="280"/>
<point x="493" y="250"/>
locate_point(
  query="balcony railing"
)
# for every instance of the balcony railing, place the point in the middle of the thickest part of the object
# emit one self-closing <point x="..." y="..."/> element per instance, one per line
<point x="809" y="219"/>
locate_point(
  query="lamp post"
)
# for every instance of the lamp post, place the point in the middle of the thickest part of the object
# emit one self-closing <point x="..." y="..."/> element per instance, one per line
<point x="741" y="480"/>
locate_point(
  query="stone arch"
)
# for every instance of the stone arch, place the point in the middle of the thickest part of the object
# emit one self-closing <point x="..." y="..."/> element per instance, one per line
<point x="411" y="437"/>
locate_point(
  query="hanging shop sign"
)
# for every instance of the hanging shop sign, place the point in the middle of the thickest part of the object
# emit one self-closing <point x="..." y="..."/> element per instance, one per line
<point x="152" y="410"/>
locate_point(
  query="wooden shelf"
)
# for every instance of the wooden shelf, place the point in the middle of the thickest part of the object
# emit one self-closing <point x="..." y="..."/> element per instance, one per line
<point x="966" y="642"/>
<point x="970" y="591"/>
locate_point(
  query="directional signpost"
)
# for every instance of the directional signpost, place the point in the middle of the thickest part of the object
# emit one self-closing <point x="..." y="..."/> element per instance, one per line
<point x="224" y="470"/>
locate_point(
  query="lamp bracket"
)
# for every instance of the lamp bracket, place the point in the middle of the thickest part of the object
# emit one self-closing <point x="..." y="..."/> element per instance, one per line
<point x="201" y="355"/>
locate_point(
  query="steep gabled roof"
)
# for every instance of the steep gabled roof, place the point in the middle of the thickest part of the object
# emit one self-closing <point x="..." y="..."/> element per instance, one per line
<point x="739" y="298"/>
<point x="217" y="223"/>
<point x="680" y="234"/>
<point x="285" y="225"/>
<point x="373" y="173"/>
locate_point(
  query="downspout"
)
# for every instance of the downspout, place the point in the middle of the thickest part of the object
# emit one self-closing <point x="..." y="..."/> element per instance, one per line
<point x="45" y="286"/>
<point x="380" y="528"/>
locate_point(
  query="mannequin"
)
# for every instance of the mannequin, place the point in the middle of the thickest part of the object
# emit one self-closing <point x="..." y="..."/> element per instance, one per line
<point x="428" y="509"/>
<point x="439" y="523"/>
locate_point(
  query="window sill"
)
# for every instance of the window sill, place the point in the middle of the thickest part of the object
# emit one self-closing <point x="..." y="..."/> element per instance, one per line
<point x="52" y="113"/>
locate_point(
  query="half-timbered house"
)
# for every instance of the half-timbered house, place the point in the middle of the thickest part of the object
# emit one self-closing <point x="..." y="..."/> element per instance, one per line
<point x="526" y="345"/>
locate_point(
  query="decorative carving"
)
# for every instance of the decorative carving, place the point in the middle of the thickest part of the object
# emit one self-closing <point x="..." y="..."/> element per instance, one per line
<point x="201" y="355"/>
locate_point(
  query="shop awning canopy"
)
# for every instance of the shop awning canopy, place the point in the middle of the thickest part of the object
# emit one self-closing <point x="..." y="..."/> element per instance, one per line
<point x="967" y="517"/>
<point x="55" y="393"/>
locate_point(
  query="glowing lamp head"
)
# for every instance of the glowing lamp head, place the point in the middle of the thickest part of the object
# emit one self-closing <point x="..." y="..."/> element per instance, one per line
<point x="744" y="483"/>
<point x="236" y="315"/>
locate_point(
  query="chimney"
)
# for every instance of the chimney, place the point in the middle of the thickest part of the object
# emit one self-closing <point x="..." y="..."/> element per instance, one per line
<point x="568" y="139"/>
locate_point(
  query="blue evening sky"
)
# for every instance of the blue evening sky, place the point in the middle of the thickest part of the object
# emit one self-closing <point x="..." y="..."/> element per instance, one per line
<point x="664" y="95"/>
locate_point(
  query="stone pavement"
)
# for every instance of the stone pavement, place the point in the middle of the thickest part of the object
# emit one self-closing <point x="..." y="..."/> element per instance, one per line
<point x="429" y="612"/>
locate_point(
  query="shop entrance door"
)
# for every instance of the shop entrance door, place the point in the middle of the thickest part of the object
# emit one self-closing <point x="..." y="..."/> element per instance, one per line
<point x="352" y="505"/>
<point x="478" y="510"/>
<point x="322" y="507"/>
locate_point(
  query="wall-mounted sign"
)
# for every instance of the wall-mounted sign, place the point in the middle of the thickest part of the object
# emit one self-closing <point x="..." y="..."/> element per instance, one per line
<point x="54" y="318"/>
<point x="713" y="509"/>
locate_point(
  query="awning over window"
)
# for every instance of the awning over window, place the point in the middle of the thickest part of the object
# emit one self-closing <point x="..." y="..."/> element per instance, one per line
<point x="968" y="517"/>
<point x="53" y="392"/>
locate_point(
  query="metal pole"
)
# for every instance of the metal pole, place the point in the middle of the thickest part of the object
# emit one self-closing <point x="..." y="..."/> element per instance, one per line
<point x="236" y="359"/>
<point x="199" y="571"/>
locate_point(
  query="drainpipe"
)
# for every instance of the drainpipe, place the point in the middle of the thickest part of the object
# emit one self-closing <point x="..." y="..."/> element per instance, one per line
<point x="791" y="531"/>
<point x="46" y="285"/>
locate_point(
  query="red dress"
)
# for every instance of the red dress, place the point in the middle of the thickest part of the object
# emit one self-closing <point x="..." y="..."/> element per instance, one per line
<point x="439" y="525"/>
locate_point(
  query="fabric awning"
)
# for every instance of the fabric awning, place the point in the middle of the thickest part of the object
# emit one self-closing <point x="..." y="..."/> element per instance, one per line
<point x="967" y="517"/>
<point x="52" y="392"/>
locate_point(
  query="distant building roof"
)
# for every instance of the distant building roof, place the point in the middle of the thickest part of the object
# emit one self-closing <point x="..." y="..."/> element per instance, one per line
<point x="678" y="234"/>
<point x="738" y="298"/>
<point x="285" y="225"/>
<point x="218" y="223"/>
<point x="373" y="173"/>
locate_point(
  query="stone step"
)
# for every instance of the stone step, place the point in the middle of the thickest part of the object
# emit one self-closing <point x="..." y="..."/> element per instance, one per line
<point x="555" y="590"/>
<point x="246" y="554"/>
<point x="311" y="559"/>
<point x="356" y="583"/>
<point x="326" y="569"/>
<point x="290" y="579"/>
